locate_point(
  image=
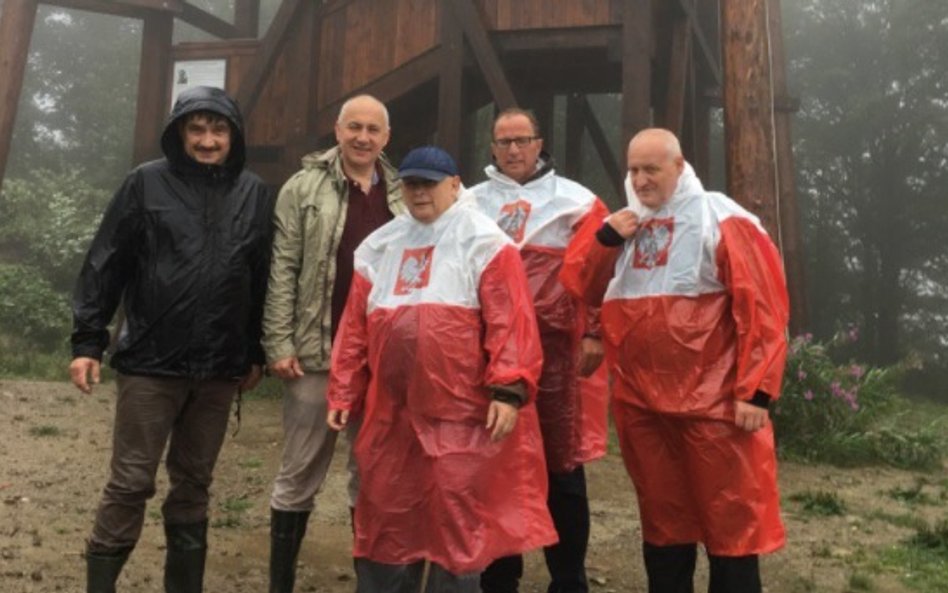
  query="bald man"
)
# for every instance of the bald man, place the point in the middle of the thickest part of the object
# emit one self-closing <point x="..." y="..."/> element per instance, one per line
<point x="314" y="240"/>
<point x="694" y="316"/>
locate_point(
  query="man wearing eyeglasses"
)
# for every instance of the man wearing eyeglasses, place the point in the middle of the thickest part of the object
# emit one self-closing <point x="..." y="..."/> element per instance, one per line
<point x="322" y="214"/>
<point x="541" y="212"/>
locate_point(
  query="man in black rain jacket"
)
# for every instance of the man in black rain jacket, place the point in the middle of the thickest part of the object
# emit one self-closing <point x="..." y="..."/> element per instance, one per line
<point x="184" y="245"/>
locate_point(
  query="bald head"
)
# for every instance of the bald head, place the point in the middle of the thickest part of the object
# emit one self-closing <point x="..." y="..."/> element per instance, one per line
<point x="655" y="164"/>
<point x="363" y="102"/>
<point x="362" y="132"/>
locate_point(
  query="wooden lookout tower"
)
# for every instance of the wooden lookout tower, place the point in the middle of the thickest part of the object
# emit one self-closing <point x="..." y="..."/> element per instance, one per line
<point x="435" y="63"/>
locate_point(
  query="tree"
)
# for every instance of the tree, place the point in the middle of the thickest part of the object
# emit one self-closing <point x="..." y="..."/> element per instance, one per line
<point x="872" y="148"/>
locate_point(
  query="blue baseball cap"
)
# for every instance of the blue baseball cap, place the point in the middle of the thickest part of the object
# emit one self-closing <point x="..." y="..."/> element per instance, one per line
<point x="428" y="162"/>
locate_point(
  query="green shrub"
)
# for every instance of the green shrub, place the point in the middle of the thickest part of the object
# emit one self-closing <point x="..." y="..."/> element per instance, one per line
<point x="32" y="312"/>
<point x="820" y="503"/>
<point x="845" y="413"/>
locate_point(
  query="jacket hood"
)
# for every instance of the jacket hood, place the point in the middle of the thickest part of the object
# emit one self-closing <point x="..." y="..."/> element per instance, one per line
<point x="204" y="98"/>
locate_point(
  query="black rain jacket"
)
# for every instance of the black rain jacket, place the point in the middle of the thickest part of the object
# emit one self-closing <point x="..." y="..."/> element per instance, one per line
<point x="186" y="248"/>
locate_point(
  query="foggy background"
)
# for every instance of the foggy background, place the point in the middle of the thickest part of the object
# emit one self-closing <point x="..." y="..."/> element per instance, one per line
<point x="870" y="141"/>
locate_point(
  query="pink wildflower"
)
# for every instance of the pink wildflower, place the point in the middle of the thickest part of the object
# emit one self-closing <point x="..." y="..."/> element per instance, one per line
<point x="808" y="394"/>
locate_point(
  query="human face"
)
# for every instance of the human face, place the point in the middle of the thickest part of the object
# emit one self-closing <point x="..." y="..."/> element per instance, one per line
<point x="426" y="199"/>
<point x="205" y="140"/>
<point x="517" y="162"/>
<point x="362" y="133"/>
<point x="654" y="170"/>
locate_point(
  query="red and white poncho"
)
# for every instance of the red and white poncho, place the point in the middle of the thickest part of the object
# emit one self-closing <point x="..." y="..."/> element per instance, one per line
<point x="694" y="316"/>
<point x="436" y="313"/>
<point x="541" y="217"/>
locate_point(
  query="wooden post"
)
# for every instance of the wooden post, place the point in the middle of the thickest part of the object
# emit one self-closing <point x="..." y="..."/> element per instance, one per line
<point x="673" y="112"/>
<point x="637" y="50"/>
<point x="790" y="233"/>
<point x="575" y="118"/>
<point x="450" y="82"/>
<point x="247" y="17"/>
<point x="153" y="85"/>
<point x="748" y="110"/>
<point x="17" y="18"/>
<point x="304" y="61"/>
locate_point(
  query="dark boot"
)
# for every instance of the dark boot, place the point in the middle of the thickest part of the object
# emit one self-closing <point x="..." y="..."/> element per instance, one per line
<point x="287" y="529"/>
<point x="569" y="507"/>
<point x="102" y="570"/>
<point x="670" y="569"/>
<point x="502" y="575"/>
<point x="733" y="574"/>
<point x="184" y="557"/>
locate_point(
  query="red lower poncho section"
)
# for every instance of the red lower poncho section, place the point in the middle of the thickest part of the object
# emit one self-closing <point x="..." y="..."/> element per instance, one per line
<point x="724" y="495"/>
<point x="433" y="485"/>
<point x="573" y="410"/>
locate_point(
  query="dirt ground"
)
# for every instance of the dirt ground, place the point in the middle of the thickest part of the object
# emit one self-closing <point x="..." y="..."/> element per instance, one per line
<point x="54" y="453"/>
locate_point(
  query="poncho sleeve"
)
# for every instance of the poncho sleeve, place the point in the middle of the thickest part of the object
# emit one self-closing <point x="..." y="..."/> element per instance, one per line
<point x="511" y="337"/>
<point x="349" y="370"/>
<point x="750" y="267"/>
<point x="588" y="265"/>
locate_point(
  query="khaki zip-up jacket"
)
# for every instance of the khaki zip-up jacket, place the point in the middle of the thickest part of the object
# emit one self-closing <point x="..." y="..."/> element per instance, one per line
<point x="309" y="218"/>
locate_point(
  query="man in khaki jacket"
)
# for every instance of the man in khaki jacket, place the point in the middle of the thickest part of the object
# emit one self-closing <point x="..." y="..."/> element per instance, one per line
<point x="314" y="240"/>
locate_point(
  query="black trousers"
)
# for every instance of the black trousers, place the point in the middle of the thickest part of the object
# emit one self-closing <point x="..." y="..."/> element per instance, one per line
<point x="566" y="561"/>
<point x="671" y="569"/>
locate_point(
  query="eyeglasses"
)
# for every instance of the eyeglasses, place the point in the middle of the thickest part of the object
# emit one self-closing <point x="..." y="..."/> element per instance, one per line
<point x="520" y="141"/>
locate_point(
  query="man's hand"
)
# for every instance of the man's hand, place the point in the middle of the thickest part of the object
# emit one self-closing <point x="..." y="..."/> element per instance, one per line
<point x="337" y="419"/>
<point x="80" y="370"/>
<point x="590" y="356"/>
<point x="748" y="416"/>
<point x="501" y="420"/>
<point x="287" y="368"/>
<point x="625" y="222"/>
<point x="252" y="378"/>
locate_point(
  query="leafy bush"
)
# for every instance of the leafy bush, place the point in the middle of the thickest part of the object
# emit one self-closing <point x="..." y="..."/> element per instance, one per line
<point x="31" y="311"/>
<point x="843" y="413"/>
<point x="48" y="220"/>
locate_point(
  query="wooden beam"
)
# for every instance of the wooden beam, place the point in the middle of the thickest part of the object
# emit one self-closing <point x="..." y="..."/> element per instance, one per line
<point x="154" y="88"/>
<point x="748" y="110"/>
<point x="609" y="161"/>
<point x="126" y="8"/>
<point x="386" y="88"/>
<point x="471" y="23"/>
<point x="17" y="18"/>
<point x="637" y="51"/>
<point x="247" y="18"/>
<point x="708" y="49"/>
<point x="791" y="236"/>
<point x="207" y="22"/>
<point x="599" y="37"/>
<point x="450" y="81"/>
<point x="252" y="84"/>
<point x="575" y="119"/>
<point x="304" y="62"/>
<point x="673" y="111"/>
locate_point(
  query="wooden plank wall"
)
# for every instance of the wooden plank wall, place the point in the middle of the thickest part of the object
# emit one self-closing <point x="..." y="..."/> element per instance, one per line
<point x="364" y="39"/>
<point x="265" y="126"/>
<point x="506" y="15"/>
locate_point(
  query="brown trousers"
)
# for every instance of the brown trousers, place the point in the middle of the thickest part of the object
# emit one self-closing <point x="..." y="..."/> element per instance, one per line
<point x="149" y="410"/>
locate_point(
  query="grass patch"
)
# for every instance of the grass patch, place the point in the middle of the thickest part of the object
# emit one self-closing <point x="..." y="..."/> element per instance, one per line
<point x="922" y="560"/>
<point x="859" y="582"/>
<point x="912" y="495"/>
<point x="45" y="430"/>
<point x="267" y="388"/>
<point x="820" y="503"/>
<point x="905" y="520"/>
<point x="233" y="508"/>
<point x="250" y="463"/>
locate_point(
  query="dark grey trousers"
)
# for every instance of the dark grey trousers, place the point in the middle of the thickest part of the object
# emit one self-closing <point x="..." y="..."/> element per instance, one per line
<point x="149" y="411"/>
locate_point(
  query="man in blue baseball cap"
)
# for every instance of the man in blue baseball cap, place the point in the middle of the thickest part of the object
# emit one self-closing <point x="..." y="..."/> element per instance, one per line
<point x="438" y="351"/>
